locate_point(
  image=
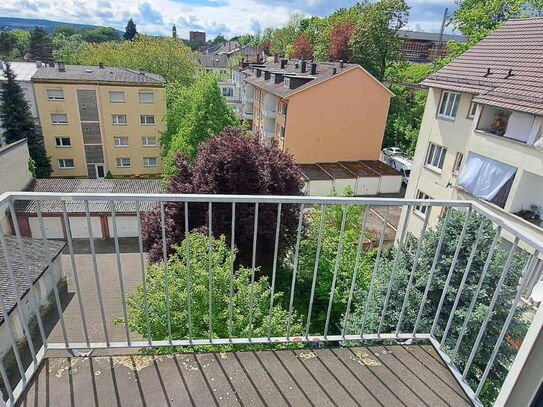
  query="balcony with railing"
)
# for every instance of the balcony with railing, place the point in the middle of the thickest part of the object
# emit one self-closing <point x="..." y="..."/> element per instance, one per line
<point x="265" y="300"/>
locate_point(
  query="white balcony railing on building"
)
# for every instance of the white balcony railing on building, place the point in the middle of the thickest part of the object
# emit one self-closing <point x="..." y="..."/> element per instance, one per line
<point x="369" y="296"/>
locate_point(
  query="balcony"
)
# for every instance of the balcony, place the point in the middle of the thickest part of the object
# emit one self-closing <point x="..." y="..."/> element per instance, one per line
<point x="270" y="113"/>
<point x="318" y="311"/>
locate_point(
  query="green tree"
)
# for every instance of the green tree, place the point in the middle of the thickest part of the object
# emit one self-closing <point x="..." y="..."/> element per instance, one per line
<point x="330" y="225"/>
<point x="164" y="56"/>
<point x="21" y="40"/>
<point x="375" y="43"/>
<point x="68" y="49"/>
<point x="99" y="34"/>
<point x="130" y="31"/>
<point x="18" y="123"/>
<point x="6" y="44"/>
<point x="65" y="30"/>
<point x="207" y="114"/>
<point x="247" y="298"/>
<point x="40" y="45"/>
<point x="424" y="265"/>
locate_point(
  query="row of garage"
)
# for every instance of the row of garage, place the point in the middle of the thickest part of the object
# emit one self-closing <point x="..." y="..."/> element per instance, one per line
<point x="364" y="178"/>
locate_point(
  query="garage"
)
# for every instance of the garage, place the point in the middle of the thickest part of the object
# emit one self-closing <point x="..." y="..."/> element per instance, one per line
<point x="100" y="213"/>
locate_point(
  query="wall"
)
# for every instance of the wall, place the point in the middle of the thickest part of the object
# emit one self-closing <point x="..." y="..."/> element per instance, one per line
<point x="133" y="129"/>
<point x="340" y="119"/>
<point x="14" y="173"/>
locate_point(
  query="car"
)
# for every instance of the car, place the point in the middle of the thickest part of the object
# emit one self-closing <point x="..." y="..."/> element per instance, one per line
<point x="390" y="151"/>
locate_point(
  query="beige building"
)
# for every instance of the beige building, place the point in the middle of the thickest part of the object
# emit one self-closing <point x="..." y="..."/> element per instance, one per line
<point x="481" y="134"/>
<point x="319" y="112"/>
<point x="97" y="119"/>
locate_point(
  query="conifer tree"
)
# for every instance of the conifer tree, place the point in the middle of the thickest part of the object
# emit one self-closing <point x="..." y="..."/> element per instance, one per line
<point x="130" y="30"/>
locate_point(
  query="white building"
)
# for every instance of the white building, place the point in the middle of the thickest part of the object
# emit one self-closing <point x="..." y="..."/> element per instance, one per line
<point x="481" y="133"/>
<point x="23" y="73"/>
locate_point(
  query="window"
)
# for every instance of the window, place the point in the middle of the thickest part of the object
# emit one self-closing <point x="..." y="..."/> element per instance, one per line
<point x="449" y="104"/>
<point x="63" y="142"/>
<point x="283" y="108"/>
<point x="119" y="119"/>
<point x="147" y="120"/>
<point x="421" y="209"/>
<point x="55" y="94"/>
<point x="59" y="118"/>
<point x="149" y="141"/>
<point x="228" y="92"/>
<point x="472" y="110"/>
<point x="286" y="83"/>
<point x="121" y="141"/>
<point x="435" y="156"/>
<point x="116" y="97"/>
<point x="123" y="162"/>
<point x="150" y="162"/>
<point x="147" y="97"/>
<point x="65" y="163"/>
<point x="458" y="162"/>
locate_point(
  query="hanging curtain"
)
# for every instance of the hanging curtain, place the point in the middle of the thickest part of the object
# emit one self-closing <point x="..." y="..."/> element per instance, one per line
<point x="519" y="126"/>
<point x="484" y="177"/>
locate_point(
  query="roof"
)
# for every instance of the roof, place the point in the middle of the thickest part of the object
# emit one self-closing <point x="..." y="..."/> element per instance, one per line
<point x="23" y="70"/>
<point x="346" y="170"/>
<point x="4" y="149"/>
<point x="84" y="73"/>
<point x="102" y="186"/>
<point x="514" y="55"/>
<point x="212" y="60"/>
<point x="426" y="36"/>
<point x="324" y="72"/>
<point x="37" y="263"/>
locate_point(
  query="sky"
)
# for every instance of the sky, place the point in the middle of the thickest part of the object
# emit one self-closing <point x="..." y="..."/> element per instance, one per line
<point x="229" y="17"/>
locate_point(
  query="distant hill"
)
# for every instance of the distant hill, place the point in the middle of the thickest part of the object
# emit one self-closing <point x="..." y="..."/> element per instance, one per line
<point x="11" y="23"/>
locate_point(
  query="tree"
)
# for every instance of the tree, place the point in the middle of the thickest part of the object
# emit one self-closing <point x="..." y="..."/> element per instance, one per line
<point x="302" y="48"/>
<point x="339" y="42"/>
<point x="428" y="249"/>
<point x="68" y="49"/>
<point x="204" y="113"/>
<point x="219" y="39"/>
<point x="331" y="225"/>
<point x="230" y="163"/>
<point x="65" y="30"/>
<point x="18" y="123"/>
<point x="164" y="56"/>
<point x="6" y="44"/>
<point x="247" y="299"/>
<point x="130" y="31"/>
<point x="40" y="45"/>
<point x="21" y="43"/>
<point x="375" y="43"/>
<point x="100" y="34"/>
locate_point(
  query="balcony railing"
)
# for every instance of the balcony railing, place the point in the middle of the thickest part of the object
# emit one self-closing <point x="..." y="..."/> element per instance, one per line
<point x="346" y="275"/>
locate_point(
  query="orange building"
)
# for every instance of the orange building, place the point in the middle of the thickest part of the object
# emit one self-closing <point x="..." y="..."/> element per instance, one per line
<point x="318" y="111"/>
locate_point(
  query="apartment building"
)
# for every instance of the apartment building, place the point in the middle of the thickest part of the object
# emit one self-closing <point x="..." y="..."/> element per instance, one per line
<point x="23" y="73"/>
<point x="97" y="119"/>
<point x="318" y="111"/>
<point x="481" y="134"/>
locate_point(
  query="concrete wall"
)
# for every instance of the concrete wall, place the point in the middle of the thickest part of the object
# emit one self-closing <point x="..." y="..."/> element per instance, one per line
<point x="44" y="290"/>
<point x="133" y="129"/>
<point x="340" y="119"/>
<point x="14" y="173"/>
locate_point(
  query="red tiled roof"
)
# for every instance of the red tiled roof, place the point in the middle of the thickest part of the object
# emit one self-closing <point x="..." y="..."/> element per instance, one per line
<point x="516" y="48"/>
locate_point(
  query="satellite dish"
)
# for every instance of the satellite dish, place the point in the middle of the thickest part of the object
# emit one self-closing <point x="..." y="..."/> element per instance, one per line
<point x="537" y="292"/>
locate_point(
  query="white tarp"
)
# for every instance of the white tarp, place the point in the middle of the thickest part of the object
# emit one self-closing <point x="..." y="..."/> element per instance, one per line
<point x="519" y="126"/>
<point x="484" y="177"/>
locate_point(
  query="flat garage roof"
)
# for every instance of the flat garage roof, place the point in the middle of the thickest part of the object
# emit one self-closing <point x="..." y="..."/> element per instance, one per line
<point x="347" y="170"/>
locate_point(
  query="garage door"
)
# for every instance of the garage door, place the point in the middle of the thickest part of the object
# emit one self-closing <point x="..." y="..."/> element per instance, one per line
<point x="78" y="224"/>
<point x="52" y="225"/>
<point x="127" y="226"/>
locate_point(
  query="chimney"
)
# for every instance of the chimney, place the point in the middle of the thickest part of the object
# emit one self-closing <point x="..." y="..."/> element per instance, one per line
<point x="334" y="70"/>
<point x="303" y="65"/>
<point x="313" y="68"/>
<point x="51" y="64"/>
<point x="39" y="64"/>
<point x="284" y="63"/>
<point x="341" y="63"/>
<point x="142" y="71"/>
<point x="61" y="66"/>
<point x="275" y="59"/>
<point x="101" y="65"/>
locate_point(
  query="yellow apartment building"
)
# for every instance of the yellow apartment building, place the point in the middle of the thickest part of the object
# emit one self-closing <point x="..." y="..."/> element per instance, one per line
<point x="318" y="111"/>
<point x="97" y="119"/>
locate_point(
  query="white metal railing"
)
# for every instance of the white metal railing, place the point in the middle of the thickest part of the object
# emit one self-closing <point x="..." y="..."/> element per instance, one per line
<point x="447" y="331"/>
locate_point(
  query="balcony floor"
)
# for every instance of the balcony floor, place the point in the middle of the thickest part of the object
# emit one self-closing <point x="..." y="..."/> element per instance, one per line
<point x="411" y="375"/>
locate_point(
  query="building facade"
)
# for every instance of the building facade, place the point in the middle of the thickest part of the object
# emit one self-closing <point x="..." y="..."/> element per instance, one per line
<point x="481" y="133"/>
<point x="424" y="47"/>
<point x="197" y="36"/>
<point x="23" y="73"/>
<point x="100" y="119"/>
<point x="319" y="112"/>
